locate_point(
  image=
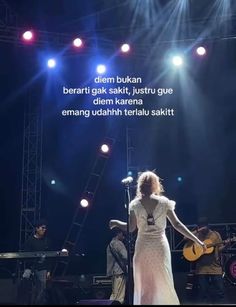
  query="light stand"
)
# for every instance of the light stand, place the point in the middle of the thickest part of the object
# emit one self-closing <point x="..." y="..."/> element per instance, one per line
<point x="127" y="202"/>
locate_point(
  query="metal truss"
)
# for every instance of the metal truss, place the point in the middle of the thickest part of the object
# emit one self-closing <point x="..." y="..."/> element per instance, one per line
<point x="131" y="166"/>
<point x="80" y="216"/>
<point x="7" y="17"/>
<point x="200" y="30"/>
<point x="131" y="160"/>
<point x="31" y="167"/>
<point x="62" y="42"/>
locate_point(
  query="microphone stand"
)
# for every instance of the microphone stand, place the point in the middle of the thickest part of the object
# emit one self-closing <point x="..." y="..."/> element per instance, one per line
<point x="127" y="197"/>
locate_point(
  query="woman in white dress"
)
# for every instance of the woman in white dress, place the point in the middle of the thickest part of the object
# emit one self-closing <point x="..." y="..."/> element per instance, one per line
<point x="153" y="278"/>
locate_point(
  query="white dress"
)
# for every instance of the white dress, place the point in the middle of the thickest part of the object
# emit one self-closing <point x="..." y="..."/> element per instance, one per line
<point x="153" y="278"/>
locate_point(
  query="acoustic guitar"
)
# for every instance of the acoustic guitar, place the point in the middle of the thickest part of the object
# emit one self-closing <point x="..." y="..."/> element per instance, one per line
<point x="193" y="251"/>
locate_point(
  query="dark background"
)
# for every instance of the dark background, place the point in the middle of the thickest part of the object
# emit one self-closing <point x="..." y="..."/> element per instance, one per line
<point x="198" y="143"/>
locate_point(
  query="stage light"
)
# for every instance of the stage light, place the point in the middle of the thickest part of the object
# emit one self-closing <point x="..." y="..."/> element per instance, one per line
<point x="177" y="60"/>
<point x="84" y="203"/>
<point x="125" y="48"/>
<point x="28" y="35"/>
<point x="201" y="51"/>
<point x="101" y="69"/>
<point x="130" y="173"/>
<point x="51" y="63"/>
<point x="179" y="179"/>
<point x="105" y="148"/>
<point x="77" y="42"/>
<point x="53" y="181"/>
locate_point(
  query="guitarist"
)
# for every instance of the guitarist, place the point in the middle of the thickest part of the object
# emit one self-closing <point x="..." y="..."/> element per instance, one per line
<point x="208" y="267"/>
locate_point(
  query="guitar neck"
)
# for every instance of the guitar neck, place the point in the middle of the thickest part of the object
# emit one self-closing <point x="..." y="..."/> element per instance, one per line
<point x="218" y="243"/>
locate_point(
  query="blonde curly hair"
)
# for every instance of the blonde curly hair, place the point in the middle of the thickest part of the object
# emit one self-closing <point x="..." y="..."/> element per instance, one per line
<point x="148" y="183"/>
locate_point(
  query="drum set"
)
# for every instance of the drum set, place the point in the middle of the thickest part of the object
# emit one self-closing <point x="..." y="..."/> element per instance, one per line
<point x="229" y="266"/>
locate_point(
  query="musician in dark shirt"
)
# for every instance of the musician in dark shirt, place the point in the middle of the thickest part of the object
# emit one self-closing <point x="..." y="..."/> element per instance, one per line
<point x="39" y="268"/>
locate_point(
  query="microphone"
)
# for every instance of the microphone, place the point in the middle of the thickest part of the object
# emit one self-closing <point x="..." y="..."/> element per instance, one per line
<point x="127" y="180"/>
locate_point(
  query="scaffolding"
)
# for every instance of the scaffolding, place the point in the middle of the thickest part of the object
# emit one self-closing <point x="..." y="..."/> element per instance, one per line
<point x="7" y="16"/>
<point x="32" y="134"/>
<point x="31" y="168"/>
<point x="80" y="215"/>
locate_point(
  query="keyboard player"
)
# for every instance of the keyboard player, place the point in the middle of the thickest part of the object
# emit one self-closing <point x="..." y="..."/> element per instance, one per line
<point x="38" y="268"/>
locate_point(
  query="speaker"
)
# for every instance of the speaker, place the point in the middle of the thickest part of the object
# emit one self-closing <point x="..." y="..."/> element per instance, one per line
<point x="98" y="302"/>
<point x="101" y="292"/>
<point x="8" y="291"/>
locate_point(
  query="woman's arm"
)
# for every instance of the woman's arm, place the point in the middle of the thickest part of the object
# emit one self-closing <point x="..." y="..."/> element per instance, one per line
<point x="180" y="227"/>
<point x="123" y="225"/>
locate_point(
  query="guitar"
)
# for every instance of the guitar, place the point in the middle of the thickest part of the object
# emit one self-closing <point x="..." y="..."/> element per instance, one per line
<point x="193" y="251"/>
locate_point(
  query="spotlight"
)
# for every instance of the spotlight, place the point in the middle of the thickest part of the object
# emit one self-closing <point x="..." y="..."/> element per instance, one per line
<point x="28" y="36"/>
<point x="84" y="203"/>
<point x="53" y="181"/>
<point x="51" y="63"/>
<point x="130" y="173"/>
<point x="125" y="48"/>
<point x="101" y="69"/>
<point x="177" y="60"/>
<point x="179" y="179"/>
<point x="105" y="148"/>
<point x="201" y="51"/>
<point x="77" y="42"/>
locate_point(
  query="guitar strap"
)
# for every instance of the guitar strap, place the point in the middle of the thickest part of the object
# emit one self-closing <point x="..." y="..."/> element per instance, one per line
<point x="216" y="250"/>
<point x="121" y="265"/>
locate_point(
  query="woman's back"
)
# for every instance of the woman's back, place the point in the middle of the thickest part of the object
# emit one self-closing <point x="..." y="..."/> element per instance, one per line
<point x="150" y="212"/>
<point x="152" y="259"/>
